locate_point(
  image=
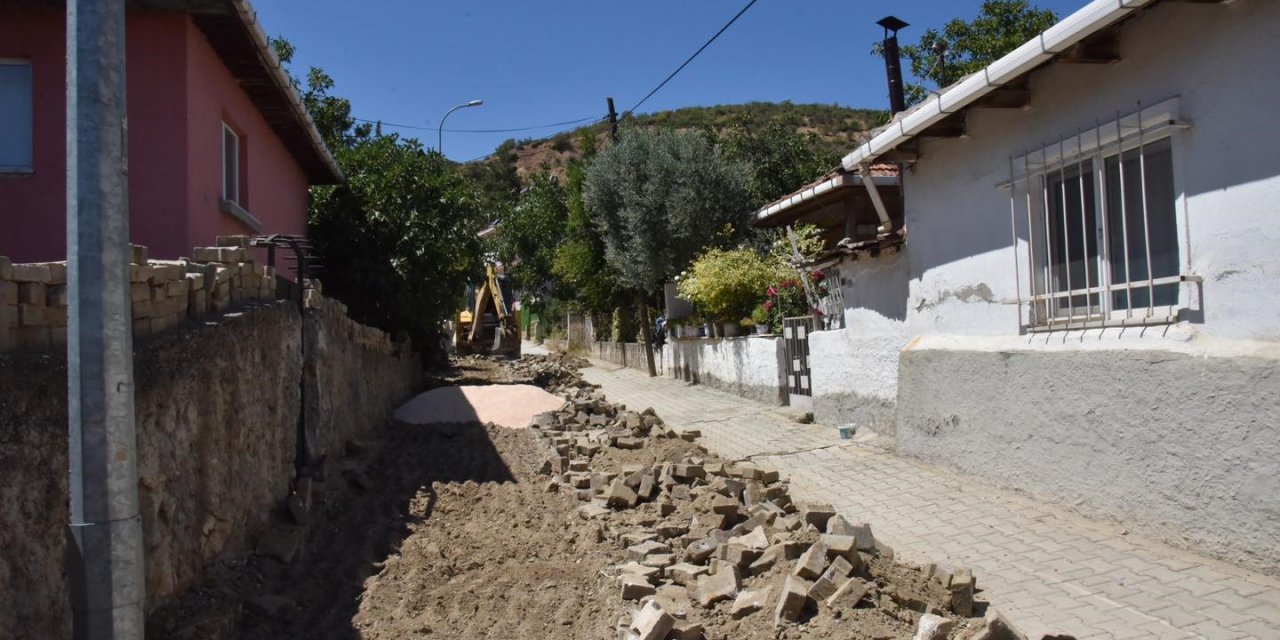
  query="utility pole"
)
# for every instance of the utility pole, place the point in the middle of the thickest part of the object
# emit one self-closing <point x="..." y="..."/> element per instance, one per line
<point x="613" y="122"/>
<point x="104" y="555"/>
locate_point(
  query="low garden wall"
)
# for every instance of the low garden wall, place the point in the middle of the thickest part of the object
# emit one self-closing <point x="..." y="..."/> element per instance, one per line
<point x="752" y="367"/>
<point x="216" y="411"/>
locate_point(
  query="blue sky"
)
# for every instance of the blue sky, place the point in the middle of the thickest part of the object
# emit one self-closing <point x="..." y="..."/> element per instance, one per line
<point x="536" y="62"/>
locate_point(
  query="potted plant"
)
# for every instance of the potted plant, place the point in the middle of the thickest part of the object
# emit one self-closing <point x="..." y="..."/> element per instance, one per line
<point x="760" y="320"/>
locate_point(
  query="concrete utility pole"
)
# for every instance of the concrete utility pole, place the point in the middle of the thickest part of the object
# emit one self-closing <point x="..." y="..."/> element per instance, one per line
<point x="105" y="563"/>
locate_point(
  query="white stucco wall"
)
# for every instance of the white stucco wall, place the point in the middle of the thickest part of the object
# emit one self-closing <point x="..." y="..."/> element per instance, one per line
<point x="1226" y="166"/>
<point x="751" y="367"/>
<point x="855" y="369"/>
<point x="1171" y="429"/>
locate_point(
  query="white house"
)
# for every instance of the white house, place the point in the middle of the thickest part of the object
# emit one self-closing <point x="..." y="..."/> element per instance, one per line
<point x="1087" y="303"/>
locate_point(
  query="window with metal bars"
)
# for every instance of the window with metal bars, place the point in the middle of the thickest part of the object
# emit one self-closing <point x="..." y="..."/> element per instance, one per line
<point x="1100" y="212"/>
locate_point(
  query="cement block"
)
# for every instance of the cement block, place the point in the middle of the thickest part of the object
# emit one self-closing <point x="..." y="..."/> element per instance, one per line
<point x="748" y="602"/>
<point x="812" y="562"/>
<point x="634" y="587"/>
<point x="795" y="594"/>
<point x="848" y="595"/>
<point x="652" y="623"/>
<point x="716" y="587"/>
<point x="817" y="515"/>
<point x="933" y="627"/>
<point x="33" y="293"/>
<point x="685" y="574"/>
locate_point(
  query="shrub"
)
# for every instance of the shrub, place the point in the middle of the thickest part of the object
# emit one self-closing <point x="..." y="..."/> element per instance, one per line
<point x="725" y="284"/>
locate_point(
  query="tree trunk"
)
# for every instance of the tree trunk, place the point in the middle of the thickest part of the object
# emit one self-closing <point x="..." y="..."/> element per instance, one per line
<point x="646" y="336"/>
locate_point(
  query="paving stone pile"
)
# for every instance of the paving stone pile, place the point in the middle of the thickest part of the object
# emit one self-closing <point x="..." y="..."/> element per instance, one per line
<point x="555" y="372"/>
<point x="707" y="543"/>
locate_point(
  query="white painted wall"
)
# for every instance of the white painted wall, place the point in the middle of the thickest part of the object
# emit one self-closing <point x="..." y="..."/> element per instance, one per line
<point x="751" y="367"/>
<point x="1170" y="429"/>
<point x="855" y="369"/>
<point x="1227" y="165"/>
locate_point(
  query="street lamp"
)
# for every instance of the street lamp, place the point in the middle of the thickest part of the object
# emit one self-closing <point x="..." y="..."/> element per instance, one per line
<point x="440" y="130"/>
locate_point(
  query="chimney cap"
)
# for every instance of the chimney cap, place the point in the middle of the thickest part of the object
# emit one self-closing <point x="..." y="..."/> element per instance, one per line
<point x="892" y="23"/>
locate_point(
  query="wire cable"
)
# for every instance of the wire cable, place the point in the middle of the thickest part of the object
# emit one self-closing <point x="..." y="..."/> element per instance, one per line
<point x="512" y="130"/>
<point x="695" y="54"/>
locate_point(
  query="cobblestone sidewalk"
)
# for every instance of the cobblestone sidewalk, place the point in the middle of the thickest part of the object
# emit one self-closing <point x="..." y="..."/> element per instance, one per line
<point x="1046" y="568"/>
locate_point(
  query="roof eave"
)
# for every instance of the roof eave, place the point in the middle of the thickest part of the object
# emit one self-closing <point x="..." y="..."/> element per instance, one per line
<point x="1090" y="19"/>
<point x="808" y="194"/>
<point x="328" y="172"/>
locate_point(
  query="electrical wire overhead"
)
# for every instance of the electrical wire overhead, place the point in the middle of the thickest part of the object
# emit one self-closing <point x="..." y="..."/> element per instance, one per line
<point x="512" y="130"/>
<point x="695" y="54"/>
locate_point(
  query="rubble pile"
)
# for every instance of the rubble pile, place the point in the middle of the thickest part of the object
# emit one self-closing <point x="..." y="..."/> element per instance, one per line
<point x="555" y="372"/>
<point x="716" y="549"/>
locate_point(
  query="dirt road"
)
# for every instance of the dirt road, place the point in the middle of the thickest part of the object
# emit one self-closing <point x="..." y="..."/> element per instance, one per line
<point x="456" y="531"/>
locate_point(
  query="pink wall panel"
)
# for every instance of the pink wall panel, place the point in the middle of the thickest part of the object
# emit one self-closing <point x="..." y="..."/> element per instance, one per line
<point x="33" y="207"/>
<point x="275" y="188"/>
<point x="179" y="94"/>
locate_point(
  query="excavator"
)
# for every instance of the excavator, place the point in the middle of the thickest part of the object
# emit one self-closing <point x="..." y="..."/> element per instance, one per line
<point x="491" y="326"/>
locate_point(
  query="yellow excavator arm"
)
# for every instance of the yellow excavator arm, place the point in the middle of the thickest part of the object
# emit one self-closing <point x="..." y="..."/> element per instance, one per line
<point x="492" y="327"/>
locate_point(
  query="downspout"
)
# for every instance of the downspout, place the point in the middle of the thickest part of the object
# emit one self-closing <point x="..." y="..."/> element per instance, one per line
<point x="886" y="225"/>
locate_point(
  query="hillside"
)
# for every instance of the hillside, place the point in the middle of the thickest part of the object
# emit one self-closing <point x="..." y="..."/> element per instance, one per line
<point x="837" y="128"/>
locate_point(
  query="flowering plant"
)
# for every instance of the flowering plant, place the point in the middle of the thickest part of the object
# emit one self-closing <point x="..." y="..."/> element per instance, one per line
<point x="787" y="298"/>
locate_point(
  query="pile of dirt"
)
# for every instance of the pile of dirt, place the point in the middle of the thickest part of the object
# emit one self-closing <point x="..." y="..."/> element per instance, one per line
<point x="478" y="531"/>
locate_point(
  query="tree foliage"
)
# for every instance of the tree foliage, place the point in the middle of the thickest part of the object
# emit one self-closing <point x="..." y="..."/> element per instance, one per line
<point x="659" y="197"/>
<point x="397" y="237"/>
<point x="578" y="260"/>
<point x="530" y="231"/>
<point x="725" y="284"/>
<point x="781" y="158"/>
<point x="963" y="47"/>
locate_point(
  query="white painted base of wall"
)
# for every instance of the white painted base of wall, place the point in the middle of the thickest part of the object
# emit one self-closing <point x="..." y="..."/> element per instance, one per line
<point x="751" y="367"/>
<point x="855" y="378"/>
<point x="1183" y="445"/>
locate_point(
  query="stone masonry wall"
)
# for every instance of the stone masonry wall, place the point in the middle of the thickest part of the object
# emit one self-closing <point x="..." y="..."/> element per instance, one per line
<point x="164" y="293"/>
<point x="216" y="407"/>
<point x="355" y="376"/>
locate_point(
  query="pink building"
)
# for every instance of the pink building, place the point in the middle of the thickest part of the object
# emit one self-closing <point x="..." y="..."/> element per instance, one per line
<point x="219" y="142"/>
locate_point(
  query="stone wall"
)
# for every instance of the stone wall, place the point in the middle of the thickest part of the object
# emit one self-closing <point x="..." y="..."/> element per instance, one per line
<point x="216" y="406"/>
<point x="164" y="293"/>
<point x="356" y="376"/>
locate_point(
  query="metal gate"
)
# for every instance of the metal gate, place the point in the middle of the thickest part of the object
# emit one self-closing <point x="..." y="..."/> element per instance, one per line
<point x="795" y="340"/>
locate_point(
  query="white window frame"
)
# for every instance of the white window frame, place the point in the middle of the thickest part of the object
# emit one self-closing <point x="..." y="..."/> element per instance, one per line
<point x="29" y="167"/>
<point x="1030" y="174"/>
<point x="235" y="177"/>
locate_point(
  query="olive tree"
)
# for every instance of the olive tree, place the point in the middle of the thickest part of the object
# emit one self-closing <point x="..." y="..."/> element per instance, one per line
<point x="660" y="197"/>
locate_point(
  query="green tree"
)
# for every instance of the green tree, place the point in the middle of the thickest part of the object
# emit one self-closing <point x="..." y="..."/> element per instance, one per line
<point x="781" y="159"/>
<point x="397" y="237"/>
<point x="658" y="198"/>
<point x="531" y="231"/>
<point x="963" y="47"/>
<point x="579" y="263"/>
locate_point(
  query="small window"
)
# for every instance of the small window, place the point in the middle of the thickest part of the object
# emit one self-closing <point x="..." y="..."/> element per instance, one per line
<point x="1101" y="210"/>
<point x="230" y="165"/>
<point x="15" y="116"/>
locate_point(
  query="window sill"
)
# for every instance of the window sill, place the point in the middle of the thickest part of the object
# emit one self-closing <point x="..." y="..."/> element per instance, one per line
<point x="6" y="172"/>
<point x="239" y="213"/>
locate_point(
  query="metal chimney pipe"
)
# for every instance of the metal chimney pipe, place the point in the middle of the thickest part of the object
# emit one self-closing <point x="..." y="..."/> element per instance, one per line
<point x="893" y="63"/>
